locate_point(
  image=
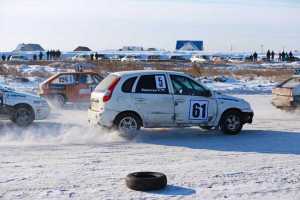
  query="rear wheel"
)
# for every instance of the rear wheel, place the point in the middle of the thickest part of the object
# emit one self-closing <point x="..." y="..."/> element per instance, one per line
<point x="128" y="124"/>
<point x="231" y="122"/>
<point x="23" y="116"/>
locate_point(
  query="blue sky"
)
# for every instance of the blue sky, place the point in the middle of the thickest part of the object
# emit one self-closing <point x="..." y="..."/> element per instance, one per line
<point x="109" y="24"/>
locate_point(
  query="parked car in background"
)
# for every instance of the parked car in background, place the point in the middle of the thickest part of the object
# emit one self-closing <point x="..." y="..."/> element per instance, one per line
<point x="81" y="57"/>
<point x="177" y="58"/>
<point x="131" y="58"/>
<point x="18" y="58"/>
<point x="198" y="59"/>
<point x="287" y="94"/>
<point x="152" y="98"/>
<point x="69" y="87"/>
<point x="22" y="108"/>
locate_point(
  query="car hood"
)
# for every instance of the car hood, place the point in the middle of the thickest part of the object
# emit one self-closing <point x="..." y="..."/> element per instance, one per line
<point x="225" y="97"/>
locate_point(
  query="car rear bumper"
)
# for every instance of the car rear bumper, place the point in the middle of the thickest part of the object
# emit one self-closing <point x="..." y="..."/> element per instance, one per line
<point x="101" y="118"/>
<point x="247" y="117"/>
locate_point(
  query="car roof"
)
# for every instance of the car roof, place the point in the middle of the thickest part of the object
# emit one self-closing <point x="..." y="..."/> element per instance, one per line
<point x="85" y="72"/>
<point x="139" y="72"/>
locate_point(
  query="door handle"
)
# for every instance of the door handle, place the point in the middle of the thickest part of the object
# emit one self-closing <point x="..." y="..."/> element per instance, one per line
<point x="177" y="101"/>
<point x="140" y="99"/>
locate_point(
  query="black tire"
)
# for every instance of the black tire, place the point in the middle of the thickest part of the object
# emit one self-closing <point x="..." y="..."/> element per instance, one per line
<point x="231" y="128"/>
<point x="128" y="115"/>
<point x="23" y="116"/>
<point x="146" y="181"/>
<point x="207" y="127"/>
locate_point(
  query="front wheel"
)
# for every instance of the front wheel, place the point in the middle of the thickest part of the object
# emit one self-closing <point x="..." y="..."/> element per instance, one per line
<point x="23" y="116"/>
<point x="231" y="122"/>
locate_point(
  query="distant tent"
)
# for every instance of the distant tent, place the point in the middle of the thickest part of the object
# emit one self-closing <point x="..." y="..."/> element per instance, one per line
<point x="29" y="47"/>
<point x="82" y="48"/>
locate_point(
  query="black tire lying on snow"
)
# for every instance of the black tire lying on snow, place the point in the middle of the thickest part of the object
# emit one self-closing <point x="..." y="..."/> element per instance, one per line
<point x="146" y="181"/>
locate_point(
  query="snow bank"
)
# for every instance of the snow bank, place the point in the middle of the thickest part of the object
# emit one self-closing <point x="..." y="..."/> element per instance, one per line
<point x="235" y="86"/>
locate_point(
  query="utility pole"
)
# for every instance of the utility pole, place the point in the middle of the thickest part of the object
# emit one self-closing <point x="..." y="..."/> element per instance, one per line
<point x="262" y="48"/>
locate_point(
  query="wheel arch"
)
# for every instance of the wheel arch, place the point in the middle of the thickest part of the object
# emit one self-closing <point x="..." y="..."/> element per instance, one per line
<point x="226" y="111"/>
<point x="128" y="112"/>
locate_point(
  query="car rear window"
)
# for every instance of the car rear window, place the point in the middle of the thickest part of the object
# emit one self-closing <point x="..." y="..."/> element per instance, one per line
<point x="128" y="84"/>
<point x="105" y="83"/>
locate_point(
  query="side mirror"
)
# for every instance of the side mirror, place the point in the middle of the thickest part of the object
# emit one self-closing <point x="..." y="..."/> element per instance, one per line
<point x="207" y="93"/>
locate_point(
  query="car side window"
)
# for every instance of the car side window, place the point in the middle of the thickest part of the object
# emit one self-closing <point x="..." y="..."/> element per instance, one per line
<point x="97" y="79"/>
<point x="64" y="79"/>
<point x="185" y="86"/>
<point x="152" y="84"/>
<point x="128" y="84"/>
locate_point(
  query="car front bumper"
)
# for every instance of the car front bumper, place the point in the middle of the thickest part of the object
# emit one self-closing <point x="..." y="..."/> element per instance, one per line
<point x="247" y="117"/>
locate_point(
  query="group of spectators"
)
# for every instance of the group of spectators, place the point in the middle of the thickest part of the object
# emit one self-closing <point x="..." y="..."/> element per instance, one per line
<point x="95" y="56"/>
<point x="4" y="57"/>
<point x="50" y="55"/>
<point x="53" y="54"/>
<point x="270" y="56"/>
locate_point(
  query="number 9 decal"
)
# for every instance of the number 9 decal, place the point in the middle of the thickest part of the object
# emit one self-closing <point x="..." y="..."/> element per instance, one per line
<point x="198" y="110"/>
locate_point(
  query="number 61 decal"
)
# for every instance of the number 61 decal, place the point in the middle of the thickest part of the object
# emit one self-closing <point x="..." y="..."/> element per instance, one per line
<point x="198" y="110"/>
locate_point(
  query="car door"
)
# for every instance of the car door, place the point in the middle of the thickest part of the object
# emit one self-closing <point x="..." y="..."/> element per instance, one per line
<point x="64" y="84"/>
<point x="193" y="104"/>
<point x="85" y="85"/>
<point x="154" y="101"/>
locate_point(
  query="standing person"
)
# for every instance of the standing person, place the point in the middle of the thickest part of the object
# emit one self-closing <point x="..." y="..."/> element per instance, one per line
<point x="92" y="57"/>
<point x="287" y="56"/>
<point x="272" y="55"/>
<point x="41" y="56"/>
<point x="255" y="56"/>
<point x="48" y="55"/>
<point x="34" y="57"/>
<point x="283" y="56"/>
<point x="96" y="56"/>
<point x="279" y="56"/>
<point x="3" y="57"/>
<point x="291" y="56"/>
<point x="58" y="54"/>
<point x="268" y="55"/>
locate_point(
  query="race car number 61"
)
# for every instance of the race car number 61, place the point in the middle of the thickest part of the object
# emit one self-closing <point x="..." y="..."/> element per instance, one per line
<point x="198" y="110"/>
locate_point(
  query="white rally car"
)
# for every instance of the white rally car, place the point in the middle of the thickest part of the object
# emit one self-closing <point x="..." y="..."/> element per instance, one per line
<point x="152" y="99"/>
<point x="22" y="108"/>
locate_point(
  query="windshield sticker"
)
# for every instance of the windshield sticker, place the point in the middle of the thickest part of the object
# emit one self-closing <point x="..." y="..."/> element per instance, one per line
<point x="160" y="82"/>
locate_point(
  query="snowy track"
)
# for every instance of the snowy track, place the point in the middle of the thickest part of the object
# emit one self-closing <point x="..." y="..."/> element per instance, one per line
<point x="63" y="158"/>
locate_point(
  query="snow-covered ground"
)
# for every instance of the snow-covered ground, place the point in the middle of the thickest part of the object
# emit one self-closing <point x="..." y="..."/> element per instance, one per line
<point x="239" y="86"/>
<point x="62" y="158"/>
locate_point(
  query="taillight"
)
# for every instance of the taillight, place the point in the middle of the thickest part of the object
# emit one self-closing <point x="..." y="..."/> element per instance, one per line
<point x="110" y="90"/>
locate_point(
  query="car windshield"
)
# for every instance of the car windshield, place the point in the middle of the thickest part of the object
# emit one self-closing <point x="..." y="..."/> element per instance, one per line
<point x="105" y="83"/>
